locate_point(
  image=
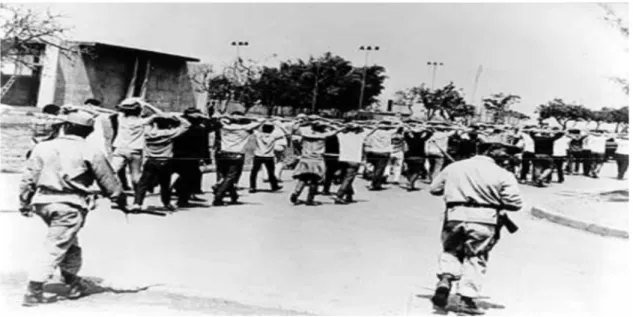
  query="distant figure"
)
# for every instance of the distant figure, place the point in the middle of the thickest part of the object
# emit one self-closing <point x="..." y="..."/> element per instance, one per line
<point x="622" y="154"/>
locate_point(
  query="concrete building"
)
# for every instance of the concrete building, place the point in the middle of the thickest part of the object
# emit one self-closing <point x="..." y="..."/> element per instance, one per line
<point x="107" y="72"/>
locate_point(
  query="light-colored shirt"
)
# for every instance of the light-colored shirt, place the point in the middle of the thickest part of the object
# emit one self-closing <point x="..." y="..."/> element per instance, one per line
<point x="351" y="146"/>
<point x="437" y="141"/>
<point x="596" y="144"/>
<point x="56" y="174"/>
<point x="623" y="146"/>
<point x="130" y="132"/>
<point x="234" y="137"/>
<point x="379" y="141"/>
<point x="477" y="180"/>
<point x="526" y="142"/>
<point x="159" y="143"/>
<point x="265" y="143"/>
<point x="561" y="145"/>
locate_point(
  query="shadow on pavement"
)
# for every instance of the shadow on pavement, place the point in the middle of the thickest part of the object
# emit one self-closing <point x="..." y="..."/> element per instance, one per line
<point x="93" y="287"/>
<point x="453" y="302"/>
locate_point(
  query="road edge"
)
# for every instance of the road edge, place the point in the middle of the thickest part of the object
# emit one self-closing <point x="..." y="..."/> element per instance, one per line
<point x="558" y="218"/>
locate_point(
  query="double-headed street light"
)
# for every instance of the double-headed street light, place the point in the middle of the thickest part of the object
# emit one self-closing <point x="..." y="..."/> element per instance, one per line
<point x="434" y="65"/>
<point x="367" y="49"/>
<point x="237" y="47"/>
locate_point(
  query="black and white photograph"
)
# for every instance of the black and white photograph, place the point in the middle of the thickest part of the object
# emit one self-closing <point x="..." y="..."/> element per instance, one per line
<point x="323" y="158"/>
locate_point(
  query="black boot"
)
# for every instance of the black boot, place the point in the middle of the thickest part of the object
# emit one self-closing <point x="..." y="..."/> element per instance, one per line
<point x="468" y="306"/>
<point x="442" y="291"/>
<point x="78" y="287"/>
<point x="35" y="295"/>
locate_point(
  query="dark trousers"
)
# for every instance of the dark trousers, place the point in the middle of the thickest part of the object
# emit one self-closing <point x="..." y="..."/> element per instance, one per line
<point x="436" y="164"/>
<point x="559" y="161"/>
<point x="587" y="163"/>
<point x="123" y="178"/>
<point x="542" y="167"/>
<point x="415" y="170"/>
<point x="155" y="171"/>
<point x="269" y="164"/>
<point x="379" y="161"/>
<point x="331" y="167"/>
<point x="622" y="160"/>
<point x="526" y="161"/>
<point x="574" y="160"/>
<point x="231" y="169"/>
<point x="350" y="169"/>
<point x="187" y="171"/>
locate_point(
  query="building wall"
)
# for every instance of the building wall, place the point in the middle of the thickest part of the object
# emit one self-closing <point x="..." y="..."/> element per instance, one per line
<point x="23" y="92"/>
<point x="102" y="75"/>
<point x="169" y="86"/>
<point x="106" y="74"/>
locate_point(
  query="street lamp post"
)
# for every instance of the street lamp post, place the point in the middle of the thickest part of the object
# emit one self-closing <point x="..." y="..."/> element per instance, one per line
<point x="367" y="49"/>
<point x="434" y="66"/>
<point x="237" y="47"/>
<point x="316" y="87"/>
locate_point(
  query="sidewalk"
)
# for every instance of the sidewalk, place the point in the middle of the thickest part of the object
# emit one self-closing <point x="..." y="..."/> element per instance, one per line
<point x="578" y="203"/>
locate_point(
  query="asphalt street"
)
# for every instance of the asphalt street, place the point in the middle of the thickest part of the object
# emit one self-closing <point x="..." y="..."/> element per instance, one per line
<point x="375" y="257"/>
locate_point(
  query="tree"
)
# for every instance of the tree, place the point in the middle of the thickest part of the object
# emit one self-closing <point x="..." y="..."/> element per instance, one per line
<point x="25" y="33"/>
<point x="563" y="112"/>
<point x="621" y="117"/>
<point x="447" y="102"/>
<point x="328" y="82"/>
<point x="500" y="104"/>
<point x="604" y="115"/>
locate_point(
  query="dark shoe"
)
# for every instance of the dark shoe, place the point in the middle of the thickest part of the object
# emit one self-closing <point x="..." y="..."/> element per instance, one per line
<point x="276" y="189"/>
<point x="468" y="306"/>
<point x="218" y="203"/>
<point x="349" y="199"/>
<point x="35" y="295"/>
<point x="442" y="291"/>
<point x="313" y="203"/>
<point x="326" y="193"/>
<point x="252" y="190"/>
<point x="78" y="289"/>
<point x="197" y="199"/>
<point x="170" y="207"/>
<point x="339" y="200"/>
<point x="294" y="198"/>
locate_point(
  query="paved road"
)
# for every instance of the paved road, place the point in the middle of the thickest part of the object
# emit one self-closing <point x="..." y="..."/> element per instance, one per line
<point x="376" y="257"/>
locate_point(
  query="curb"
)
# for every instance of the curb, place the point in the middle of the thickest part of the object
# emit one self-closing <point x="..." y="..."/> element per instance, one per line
<point x="567" y="221"/>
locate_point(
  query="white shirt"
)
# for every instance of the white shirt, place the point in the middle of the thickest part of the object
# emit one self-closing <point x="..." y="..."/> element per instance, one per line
<point x="596" y="144"/>
<point x="623" y="146"/>
<point x="96" y="138"/>
<point x="351" y="146"/>
<point x="561" y="146"/>
<point x="528" y="142"/>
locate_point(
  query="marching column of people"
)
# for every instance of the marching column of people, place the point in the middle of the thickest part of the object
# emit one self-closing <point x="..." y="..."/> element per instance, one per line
<point x="473" y="168"/>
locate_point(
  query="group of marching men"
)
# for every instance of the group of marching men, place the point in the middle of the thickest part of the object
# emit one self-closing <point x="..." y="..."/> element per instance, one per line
<point x="81" y="149"/>
<point x="155" y="147"/>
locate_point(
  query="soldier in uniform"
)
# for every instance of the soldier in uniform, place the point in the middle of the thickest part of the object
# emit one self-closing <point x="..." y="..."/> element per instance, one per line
<point x="476" y="192"/>
<point x="55" y="186"/>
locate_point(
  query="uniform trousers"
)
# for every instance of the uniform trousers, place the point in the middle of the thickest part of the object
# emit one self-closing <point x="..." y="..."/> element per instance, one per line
<point x="465" y="254"/>
<point x="269" y="164"/>
<point x="187" y="171"/>
<point x="622" y="160"/>
<point x="61" y="246"/>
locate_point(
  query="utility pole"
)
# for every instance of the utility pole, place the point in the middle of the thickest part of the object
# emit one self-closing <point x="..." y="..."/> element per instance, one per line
<point x="480" y="70"/>
<point x="367" y="49"/>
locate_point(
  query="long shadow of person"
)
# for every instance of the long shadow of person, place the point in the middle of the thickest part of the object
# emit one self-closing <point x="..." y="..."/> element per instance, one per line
<point x="453" y="302"/>
<point x="94" y="286"/>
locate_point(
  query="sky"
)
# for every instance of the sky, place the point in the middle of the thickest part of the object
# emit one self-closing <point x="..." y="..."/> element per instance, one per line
<point x="537" y="51"/>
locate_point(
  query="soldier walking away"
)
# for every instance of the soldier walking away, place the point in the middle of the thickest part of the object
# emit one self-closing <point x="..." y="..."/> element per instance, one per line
<point x="55" y="186"/>
<point x="476" y="192"/>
